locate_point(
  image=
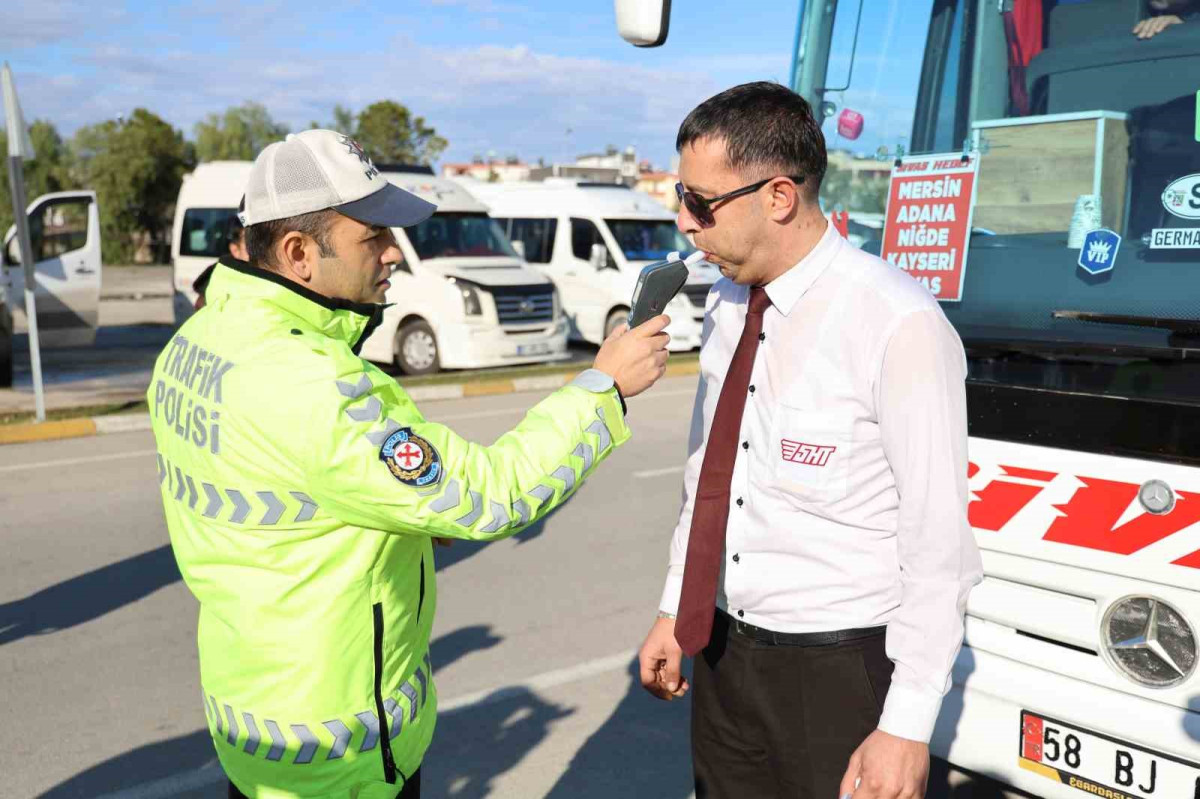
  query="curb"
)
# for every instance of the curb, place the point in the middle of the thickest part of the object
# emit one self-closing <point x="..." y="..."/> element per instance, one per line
<point x="28" y="432"/>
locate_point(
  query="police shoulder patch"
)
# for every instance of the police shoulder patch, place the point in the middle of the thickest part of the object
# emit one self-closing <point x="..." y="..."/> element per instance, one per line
<point x="411" y="459"/>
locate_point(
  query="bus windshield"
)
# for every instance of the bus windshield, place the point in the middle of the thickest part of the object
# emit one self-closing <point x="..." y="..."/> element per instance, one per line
<point x="1082" y="267"/>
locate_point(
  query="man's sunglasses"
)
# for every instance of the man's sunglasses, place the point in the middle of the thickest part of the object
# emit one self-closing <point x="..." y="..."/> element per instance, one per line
<point x="701" y="207"/>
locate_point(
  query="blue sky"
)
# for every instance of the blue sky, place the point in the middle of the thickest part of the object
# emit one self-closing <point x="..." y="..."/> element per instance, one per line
<point x="509" y="76"/>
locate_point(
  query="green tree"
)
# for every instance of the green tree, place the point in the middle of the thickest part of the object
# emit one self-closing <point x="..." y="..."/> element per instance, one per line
<point x="237" y="135"/>
<point x="135" y="168"/>
<point x="47" y="172"/>
<point x="390" y="134"/>
<point x="343" y="120"/>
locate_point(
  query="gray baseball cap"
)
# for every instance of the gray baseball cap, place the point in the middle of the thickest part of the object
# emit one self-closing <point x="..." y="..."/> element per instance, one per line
<point x="319" y="169"/>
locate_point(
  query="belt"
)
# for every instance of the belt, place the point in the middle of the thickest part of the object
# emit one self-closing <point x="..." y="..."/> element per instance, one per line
<point x="764" y="636"/>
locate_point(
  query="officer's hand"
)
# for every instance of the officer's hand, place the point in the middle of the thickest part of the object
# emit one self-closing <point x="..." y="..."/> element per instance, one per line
<point x="658" y="662"/>
<point x="636" y="358"/>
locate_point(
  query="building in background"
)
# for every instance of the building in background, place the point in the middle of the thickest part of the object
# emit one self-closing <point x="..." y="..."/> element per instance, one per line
<point x="859" y="167"/>
<point x="625" y="163"/>
<point x="589" y="174"/>
<point x="492" y="170"/>
<point x="857" y="184"/>
<point x="658" y="184"/>
<point x="611" y="166"/>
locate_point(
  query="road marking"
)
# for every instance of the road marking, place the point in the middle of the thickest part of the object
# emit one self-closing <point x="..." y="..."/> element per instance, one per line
<point x="211" y="774"/>
<point x="75" y="461"/>
<point x="659" y="472"/>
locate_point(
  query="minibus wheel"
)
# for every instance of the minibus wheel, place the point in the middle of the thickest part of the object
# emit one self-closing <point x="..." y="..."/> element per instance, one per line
<point x="415" y="349"/>
<point x="615" y="319"/>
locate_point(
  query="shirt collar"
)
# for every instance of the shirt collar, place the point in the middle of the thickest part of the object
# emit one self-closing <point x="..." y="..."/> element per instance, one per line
<point x="787" y="289"/>
<point x="351" y="322"/>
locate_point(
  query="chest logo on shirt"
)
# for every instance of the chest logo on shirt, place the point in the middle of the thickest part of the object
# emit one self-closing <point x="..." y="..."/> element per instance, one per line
<point x="411" y="459"/>
<point x="806" y="454"/>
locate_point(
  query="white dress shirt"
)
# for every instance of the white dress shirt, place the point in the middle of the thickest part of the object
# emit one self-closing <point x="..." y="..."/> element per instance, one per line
<point x="849" y="492"/>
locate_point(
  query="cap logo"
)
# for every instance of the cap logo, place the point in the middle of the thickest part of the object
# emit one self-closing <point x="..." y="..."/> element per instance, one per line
<point x="355" y="149"/>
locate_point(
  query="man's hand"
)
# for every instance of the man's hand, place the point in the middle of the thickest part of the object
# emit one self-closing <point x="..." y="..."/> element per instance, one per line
<point x="886" y="767"/>
<point x="636" y="358"/>
<point x="659" y="659"/>
<point x="1152" y="26"/>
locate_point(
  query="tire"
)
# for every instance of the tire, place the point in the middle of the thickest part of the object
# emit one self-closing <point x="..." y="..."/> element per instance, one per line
<point x="618" y="317"/>
<point x="415" y="350"/>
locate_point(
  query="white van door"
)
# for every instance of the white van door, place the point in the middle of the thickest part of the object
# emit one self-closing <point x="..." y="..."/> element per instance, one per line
<point x="584" y="290"/>
<point x="64" y="231"/>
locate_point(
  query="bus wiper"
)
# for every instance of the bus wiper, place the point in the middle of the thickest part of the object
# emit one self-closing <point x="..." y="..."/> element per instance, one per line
<point x="1184" y="332"/>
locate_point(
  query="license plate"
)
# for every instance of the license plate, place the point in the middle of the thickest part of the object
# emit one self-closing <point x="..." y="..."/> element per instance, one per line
<point x="1103" y="766"/>
<point x="541" y="348"/>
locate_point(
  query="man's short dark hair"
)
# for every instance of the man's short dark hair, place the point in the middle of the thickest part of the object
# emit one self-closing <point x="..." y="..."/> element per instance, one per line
<point x="262" y="238"/>
<point x="768" y="130"/>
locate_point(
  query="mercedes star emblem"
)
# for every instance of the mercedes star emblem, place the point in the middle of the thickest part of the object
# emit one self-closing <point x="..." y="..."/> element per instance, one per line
<point x="1148" y="639"/>
<point x="1157" y="497"/>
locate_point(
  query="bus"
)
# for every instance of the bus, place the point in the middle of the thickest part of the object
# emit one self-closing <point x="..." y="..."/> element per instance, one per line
<point x="1079" y="309"/>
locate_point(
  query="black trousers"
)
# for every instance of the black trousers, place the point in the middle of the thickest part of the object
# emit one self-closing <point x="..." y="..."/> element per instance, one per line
<point x="771" y="720"/>
<point x="411" y="789"/>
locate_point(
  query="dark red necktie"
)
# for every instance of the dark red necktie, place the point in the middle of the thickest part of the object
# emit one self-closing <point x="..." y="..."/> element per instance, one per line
<point x="710" y="511"/>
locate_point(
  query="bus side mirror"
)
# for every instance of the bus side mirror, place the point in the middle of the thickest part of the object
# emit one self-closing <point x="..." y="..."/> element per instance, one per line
<point x="599" y="257"/>
<point x="643" y="23"/>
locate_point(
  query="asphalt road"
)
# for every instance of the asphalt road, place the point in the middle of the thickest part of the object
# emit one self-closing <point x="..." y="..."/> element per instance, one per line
<point x="533" y="645"/>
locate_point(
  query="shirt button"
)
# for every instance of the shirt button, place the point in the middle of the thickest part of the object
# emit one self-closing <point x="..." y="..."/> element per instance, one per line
<point x="762" y="336"/>
<point x="737" y="559"/>
<point x="739" y="501"/>
<point x="741" y="613"/>
<point x="745" y="445"/>
<point x="751" y="389"/>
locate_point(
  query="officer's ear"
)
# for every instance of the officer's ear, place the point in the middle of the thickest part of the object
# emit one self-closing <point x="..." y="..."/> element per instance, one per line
<point x="297" y="255"/>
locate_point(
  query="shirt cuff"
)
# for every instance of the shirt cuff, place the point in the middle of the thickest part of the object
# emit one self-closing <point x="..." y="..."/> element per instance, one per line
<point x="599" y="382"/>
<point x="671" y="591"/>
<point x="910" y="712"/>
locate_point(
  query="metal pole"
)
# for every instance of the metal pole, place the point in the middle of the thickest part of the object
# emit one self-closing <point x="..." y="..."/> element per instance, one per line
<point x="16" y="179"/>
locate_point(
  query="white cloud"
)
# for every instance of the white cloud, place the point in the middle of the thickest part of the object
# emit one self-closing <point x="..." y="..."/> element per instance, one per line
<point x="30" y="23"/>
<point x="510" y="99"/>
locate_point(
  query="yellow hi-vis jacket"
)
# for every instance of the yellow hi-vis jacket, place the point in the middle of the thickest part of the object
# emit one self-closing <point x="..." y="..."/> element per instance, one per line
<point x="302" y="487"/>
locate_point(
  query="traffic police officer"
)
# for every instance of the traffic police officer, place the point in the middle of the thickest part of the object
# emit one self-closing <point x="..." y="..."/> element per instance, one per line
<point x="302" y="486"/>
